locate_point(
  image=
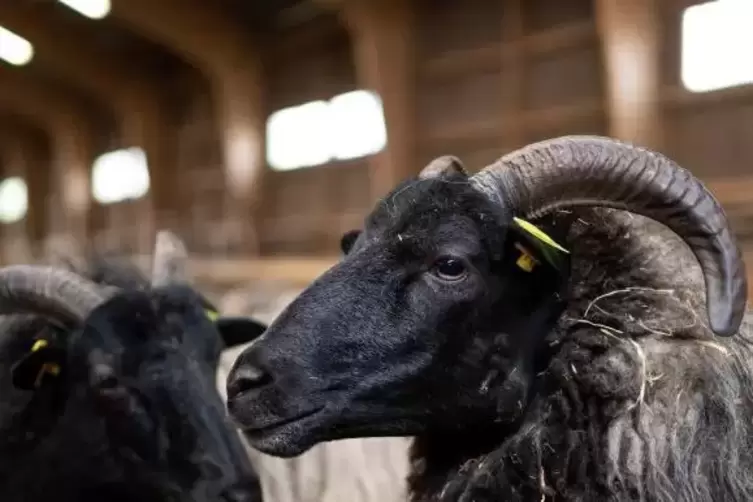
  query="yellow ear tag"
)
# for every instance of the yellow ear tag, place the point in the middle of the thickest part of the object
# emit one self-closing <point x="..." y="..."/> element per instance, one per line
<point x="212" y="315"/>
<point x="47" y="368"/>
<point x="526" y="261"/>
<point x="39" y="344"/>
<point x="538" y="234"/>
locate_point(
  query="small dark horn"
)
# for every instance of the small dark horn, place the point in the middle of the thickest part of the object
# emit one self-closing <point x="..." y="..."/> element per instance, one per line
<point x="596" y="171"/>
<point x="170" y="260"/>
<point x="441" y="167"/>
<point x="55" y="293"/>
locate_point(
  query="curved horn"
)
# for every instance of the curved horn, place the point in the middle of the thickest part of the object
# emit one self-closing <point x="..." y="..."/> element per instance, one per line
<point x="596" y="171"/>
<point x="441" y="167"/>
<point x="170" y="260"/>
<point x="49" y="291"/>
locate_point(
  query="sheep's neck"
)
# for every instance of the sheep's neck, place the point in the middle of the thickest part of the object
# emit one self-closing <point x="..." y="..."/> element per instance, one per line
<point x="437" y="459"/>
<point x="443" y="464"/>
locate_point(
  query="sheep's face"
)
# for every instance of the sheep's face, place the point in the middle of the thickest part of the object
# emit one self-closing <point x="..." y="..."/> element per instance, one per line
<point x="425" y="313"/>
<point x="141" y="376"/>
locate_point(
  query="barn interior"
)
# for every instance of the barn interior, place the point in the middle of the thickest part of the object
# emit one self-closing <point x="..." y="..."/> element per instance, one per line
<point x="260" y="131"/>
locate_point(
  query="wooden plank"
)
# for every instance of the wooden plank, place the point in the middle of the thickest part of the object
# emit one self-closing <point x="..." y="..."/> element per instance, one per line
<point x="489" y="58"/>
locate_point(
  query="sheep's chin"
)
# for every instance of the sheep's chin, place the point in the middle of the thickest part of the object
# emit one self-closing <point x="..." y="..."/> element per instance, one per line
<point x="288" y="438"/>
<point x="279" y="446"/>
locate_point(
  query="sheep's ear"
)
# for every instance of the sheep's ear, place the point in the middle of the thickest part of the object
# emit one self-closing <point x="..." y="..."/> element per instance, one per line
<point x="535" y="248"/>
<point x="348" y="239"/>
<point x="239" y="330"/>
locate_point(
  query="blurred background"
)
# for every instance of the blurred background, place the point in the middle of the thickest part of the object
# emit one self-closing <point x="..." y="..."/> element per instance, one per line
<point x="261" y="130"/>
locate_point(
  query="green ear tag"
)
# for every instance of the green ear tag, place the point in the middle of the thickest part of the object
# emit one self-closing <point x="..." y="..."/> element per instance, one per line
<point x="540" y="243"/>
<point x="212" y="315"/>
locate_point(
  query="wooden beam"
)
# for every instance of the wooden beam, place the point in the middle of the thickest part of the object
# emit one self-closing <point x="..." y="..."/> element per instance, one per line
<point x="299" y="271"/>
<point x="22" y="153"/>
<point x="201" y="32"/>
<point x="136" y="101"/>
<point x="211" y="40"/>
<point x="383" y="34"/>
<point x="17" y="237"/>
<point x="71" y="140"/>
<point x="513" y="74"/>
<point x="630" y="35"/>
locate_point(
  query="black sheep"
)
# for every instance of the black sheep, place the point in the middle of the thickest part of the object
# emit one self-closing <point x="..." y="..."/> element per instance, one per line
<point x="109" y="387"/>
<point x="576" y="366"/>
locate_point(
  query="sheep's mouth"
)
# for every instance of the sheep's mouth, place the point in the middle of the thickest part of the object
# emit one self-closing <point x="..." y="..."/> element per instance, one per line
<point x="271" y="428"/>
<point x="287" y="437"/>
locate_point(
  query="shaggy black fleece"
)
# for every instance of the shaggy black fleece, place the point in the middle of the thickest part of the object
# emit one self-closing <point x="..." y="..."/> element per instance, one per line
<point x="637" y="401"/>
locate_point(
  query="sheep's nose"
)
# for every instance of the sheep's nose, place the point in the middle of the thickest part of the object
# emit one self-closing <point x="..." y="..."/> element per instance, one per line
<point x="246" y="378"/>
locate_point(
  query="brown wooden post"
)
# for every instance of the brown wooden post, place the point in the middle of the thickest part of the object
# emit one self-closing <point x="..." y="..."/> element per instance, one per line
<point x="17" y="239"/>
<point x="630" y="35"/>
<point x="383" y="38"/>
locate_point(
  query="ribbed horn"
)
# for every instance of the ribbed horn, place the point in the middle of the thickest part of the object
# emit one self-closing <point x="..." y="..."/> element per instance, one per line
<point x="170" y="260"/>
<point x="52" y="292"/>
<point x="596" y="171"/>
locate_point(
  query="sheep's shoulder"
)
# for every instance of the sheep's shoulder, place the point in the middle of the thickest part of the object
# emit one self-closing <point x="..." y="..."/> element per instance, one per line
<point x="658" y="415"/>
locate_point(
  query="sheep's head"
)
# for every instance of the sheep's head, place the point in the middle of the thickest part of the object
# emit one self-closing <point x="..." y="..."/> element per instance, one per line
<point x="135" y="369"/>
<point x="395" y="339"/>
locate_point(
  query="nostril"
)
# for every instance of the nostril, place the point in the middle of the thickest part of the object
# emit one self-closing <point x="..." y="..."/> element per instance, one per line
<point x="247" y="378"/>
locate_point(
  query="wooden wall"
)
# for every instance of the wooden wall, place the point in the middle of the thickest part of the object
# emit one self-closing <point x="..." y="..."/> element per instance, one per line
<point x="709" y="133"/>
<point x="303" y="211"/>
<point x="489" y="79"/>
<point x="306" y="210"/>
<point x="491" y="76"/>
<point x="497" y="75"/>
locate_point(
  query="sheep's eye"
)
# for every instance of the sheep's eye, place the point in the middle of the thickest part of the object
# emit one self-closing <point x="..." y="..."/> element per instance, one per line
<point x="450" y="269"/>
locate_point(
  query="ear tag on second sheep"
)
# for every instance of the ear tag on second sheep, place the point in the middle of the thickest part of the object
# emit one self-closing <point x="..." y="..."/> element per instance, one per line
<point x="43" y="361"/>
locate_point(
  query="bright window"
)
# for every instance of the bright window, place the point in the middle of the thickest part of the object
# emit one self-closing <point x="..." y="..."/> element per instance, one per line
<point x="14" y="199"/>
<point x="348" y="126"/>
<point x="120" y="175"/>
<point x="93" y="9"/>
<point x="357" y="123"/>
<point x="15" y="49"/>
<point x="716" y="43"/>
<point x="297" y="137"/>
